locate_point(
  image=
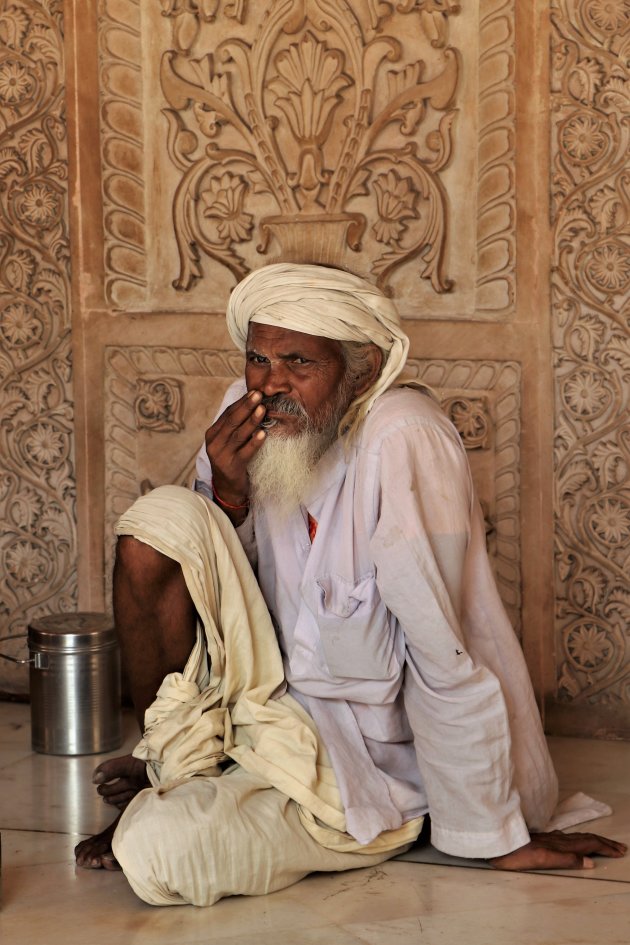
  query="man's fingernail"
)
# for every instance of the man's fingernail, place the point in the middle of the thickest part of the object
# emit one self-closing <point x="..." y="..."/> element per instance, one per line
<point x="587" y="863"/>
<point x="255" y="395"/>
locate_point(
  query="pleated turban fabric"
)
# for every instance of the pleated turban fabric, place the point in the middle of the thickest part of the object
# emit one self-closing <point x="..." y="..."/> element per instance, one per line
<point x="327" y="302"/>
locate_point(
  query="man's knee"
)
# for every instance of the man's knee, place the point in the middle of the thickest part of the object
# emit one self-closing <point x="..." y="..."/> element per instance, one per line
<point x="164" y="858"/>
<point x="141" y="564"/>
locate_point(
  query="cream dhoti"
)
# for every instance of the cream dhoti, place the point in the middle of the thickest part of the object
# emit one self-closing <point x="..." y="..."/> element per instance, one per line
<point x="201" y="833"/>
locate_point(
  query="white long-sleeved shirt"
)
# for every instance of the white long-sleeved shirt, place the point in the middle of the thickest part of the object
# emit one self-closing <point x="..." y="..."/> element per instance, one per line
<point x="395" y="639"/>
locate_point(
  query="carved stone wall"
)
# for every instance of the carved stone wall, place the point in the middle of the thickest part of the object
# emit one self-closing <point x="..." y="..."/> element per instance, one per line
<point x="591" y="326"/>
<point x="37" y="488"/>
<point x="408" y="140"/>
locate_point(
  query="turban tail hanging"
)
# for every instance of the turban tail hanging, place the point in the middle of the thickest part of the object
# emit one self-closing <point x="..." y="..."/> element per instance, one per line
<point x="325" y="302"/>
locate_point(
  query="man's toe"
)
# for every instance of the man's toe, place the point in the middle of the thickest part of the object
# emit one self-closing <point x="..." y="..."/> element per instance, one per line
<point x="109" y="862"/>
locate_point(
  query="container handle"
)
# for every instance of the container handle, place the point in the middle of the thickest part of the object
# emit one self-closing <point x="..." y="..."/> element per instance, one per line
<point x="13" y="659"/>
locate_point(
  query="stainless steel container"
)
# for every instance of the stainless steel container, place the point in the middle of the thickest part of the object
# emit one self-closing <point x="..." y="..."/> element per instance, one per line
<point x="75" y="684"/>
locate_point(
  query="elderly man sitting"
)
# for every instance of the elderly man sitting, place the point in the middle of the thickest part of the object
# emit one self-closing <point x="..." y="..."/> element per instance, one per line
<point x="317" y="652"/>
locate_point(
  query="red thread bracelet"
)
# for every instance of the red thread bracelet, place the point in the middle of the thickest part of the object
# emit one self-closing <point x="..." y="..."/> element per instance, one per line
<point x="226" y="505"/>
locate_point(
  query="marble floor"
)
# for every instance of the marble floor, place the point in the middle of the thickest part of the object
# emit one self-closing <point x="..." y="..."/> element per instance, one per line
<point x="47" y="804"/>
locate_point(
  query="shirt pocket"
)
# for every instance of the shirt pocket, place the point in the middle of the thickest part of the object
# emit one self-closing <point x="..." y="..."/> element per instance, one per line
<point x="356" y="634"/>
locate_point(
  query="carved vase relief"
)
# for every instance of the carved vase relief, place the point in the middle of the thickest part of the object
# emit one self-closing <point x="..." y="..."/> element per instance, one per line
<point x="37" y="491"/>
<point x="298" y="116"/>
<point x="316" y="130"/>
<point x="591" y="322"/>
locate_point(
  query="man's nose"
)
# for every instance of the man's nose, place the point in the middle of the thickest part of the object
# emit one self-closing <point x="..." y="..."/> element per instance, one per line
<point x="277" y="379"/>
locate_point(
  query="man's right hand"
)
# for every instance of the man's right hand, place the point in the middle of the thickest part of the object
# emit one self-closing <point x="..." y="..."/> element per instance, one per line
<point x="231" y="443"/>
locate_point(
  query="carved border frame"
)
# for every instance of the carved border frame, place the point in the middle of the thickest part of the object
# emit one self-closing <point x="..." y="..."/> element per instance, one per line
<point x="591" y="345"/>
<point x="122" y="147"/>
<point x="496" y="179"/>
<point x="125" y="366"/>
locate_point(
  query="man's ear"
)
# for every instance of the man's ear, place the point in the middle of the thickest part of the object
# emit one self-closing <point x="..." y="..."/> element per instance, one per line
<point x="373" y="365"/>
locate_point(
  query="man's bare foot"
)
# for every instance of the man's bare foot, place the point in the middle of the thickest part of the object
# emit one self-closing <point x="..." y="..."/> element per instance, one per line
<point x="95" y="853"/>
<point x="120" y="779"/>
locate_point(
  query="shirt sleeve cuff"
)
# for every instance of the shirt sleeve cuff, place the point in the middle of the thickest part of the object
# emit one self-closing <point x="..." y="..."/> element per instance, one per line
<point x="204" y="488"/>
<point x="512" y="835"/>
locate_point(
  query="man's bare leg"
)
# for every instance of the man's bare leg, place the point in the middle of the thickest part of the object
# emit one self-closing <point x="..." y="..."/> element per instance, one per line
<point x="156" y="623"/>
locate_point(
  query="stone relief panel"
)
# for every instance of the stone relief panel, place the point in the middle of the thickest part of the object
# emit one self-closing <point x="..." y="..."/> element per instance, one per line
<point x="481" y="397"/>
<point x="159" y="402"/>
<point x="591" y="324"/>
<point x="37" y="487"/>
<point x="309" y="129"/>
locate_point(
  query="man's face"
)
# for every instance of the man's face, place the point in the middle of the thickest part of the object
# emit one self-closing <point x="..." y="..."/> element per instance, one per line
<point x="304" y="369"/>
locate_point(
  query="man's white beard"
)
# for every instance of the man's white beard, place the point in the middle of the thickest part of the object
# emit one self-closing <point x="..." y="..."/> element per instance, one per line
<point x="281" y="471"/>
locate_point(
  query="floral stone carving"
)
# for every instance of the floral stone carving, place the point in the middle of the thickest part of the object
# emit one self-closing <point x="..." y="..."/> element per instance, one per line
<point x="37" y="489"/>
<point x="301" y="114"/>
<point x="317" y="130"/>
<point x="591" y="281"/>
<point x="158" y="405"/>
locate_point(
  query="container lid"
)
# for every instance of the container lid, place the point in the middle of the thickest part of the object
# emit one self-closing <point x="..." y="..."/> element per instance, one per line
<point x="72" y="631"/>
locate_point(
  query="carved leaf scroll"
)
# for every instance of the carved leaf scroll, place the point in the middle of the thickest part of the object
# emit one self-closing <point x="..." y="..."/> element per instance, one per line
<point x="37" y="487"/>
<point x="316" y="130"/>
<point x="591" y="282"/>
<point x="321" y="113"/>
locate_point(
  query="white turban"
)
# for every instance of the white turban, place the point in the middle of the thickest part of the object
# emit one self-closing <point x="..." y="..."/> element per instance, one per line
<point x="326" y="302"/>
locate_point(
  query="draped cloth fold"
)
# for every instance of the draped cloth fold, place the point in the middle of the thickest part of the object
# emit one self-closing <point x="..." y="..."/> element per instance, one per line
<point x="230" y="701"/>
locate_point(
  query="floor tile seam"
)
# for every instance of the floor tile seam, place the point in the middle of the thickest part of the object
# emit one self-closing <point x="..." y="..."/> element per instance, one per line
<point x="581" y="875"/>
<point x="588" y="879"/>
<point x="460" y="916"/>
<point x="615" y="884"/>
<point x="38" y="830"/>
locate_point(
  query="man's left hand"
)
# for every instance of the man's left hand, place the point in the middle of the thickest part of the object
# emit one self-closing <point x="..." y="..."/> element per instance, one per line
<point x="559" y="851"/>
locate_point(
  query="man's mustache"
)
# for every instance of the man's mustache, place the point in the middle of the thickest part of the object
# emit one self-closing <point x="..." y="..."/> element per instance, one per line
<point x="276" y="403"/>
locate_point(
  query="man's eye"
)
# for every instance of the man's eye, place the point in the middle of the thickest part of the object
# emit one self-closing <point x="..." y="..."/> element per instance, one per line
<point x="256" y="359"/>
<point x="301" y="361"/>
